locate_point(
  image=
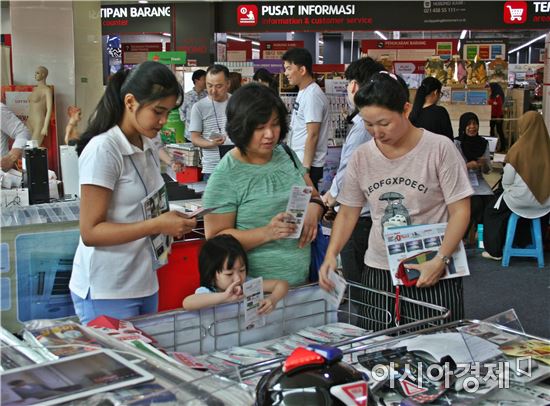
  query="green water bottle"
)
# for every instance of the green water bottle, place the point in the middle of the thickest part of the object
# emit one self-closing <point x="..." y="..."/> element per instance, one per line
<point x="173" y="131"/>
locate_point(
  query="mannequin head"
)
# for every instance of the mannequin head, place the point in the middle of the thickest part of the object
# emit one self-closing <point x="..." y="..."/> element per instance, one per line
<point x="75" y="113"/>
<point x="41" y="74"/>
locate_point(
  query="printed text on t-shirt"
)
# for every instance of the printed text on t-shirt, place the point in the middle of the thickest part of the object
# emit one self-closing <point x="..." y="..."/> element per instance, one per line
<point x="397" y="181"/>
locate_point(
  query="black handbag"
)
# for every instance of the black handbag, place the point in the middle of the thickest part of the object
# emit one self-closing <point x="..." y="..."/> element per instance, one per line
<point x="495" y="222"/>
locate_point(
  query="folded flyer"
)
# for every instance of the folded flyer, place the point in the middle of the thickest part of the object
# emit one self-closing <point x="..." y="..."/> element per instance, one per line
<point x="409" y="241"/>
<point x="297" y="207"/>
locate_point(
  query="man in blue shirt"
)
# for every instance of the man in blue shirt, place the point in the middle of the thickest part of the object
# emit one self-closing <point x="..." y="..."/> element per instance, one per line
<point x="358" y="74"/>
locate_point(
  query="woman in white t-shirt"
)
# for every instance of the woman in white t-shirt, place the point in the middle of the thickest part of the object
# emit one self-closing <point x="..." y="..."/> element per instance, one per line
<point x="114" y="265"/>
<point x="408" y="176"/>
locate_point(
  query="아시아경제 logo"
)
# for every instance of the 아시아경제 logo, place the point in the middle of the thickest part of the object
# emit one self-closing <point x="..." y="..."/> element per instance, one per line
<point x="515" y="12"/>
<point x="247" y="15"/>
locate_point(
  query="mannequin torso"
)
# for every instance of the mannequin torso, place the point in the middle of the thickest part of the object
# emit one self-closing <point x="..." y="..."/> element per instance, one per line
<point x="40" y="106"/>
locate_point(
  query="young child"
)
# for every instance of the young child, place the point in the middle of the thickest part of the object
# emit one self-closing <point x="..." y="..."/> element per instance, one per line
<point x="223" y="268"/>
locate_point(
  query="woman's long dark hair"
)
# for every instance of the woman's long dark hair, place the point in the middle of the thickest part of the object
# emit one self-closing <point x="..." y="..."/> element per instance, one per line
<point x="427" y="86"/>
<point x="149" y="81"/>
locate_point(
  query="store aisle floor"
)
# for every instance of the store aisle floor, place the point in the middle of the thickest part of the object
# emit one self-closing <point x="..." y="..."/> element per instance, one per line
<point x="522" y="286"/>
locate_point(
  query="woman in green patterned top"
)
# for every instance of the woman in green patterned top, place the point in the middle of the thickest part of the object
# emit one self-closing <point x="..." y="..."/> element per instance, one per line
<point x="251" y="187"/>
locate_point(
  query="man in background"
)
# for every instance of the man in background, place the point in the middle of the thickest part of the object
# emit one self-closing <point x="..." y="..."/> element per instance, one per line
<point x="191" y="97"/>
<point x="208" y="119"/>
<point x="309" y="124"/>
<point x="12" y="128"/>
<point x="358" y="74"/>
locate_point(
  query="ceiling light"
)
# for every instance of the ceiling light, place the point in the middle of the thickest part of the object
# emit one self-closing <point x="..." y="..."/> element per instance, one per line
<point x="166" y="34"/>
<point x="143" y="2"/>
<point x="380" y="35"/>
<point x="233" y="38"/>
<point x="463" y="34"/>
<point x="256" y="43"/>
<point x="527" y="44"/>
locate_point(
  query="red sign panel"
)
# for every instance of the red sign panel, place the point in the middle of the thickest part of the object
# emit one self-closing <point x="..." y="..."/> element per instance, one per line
<point x="515" y="12"/>
<point x="247" y="15"/>
<point x="240" y="46"/>
<point x="136" y="52"/>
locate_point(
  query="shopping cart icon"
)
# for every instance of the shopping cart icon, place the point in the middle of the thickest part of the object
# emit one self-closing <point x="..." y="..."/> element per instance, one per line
<point x="515" y="13"/>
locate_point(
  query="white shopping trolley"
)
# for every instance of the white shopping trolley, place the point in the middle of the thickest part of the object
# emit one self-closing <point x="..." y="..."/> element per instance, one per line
<point x="515" y="13"/>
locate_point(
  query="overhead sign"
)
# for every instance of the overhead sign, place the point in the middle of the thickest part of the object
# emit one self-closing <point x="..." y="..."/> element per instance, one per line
<point x="380" y="15"/>
<point x="136" y="52"/>
<point x="168" y="58"/>
<point x="136" y="18"/>
<point x="409" y="49"/>
<point x="276" y="49"/>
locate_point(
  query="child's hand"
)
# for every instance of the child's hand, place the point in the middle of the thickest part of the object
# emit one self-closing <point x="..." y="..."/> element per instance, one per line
<point x="233" y="292"/>
<point x="266" y="306"/>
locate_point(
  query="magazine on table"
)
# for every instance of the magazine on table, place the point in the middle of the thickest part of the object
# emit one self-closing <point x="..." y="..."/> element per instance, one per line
<point x="16" y="353"/>
<point x="61" y="340"/>
<point x="419" y="243"/>
<point x="155" y="204"/>
<point x="75" y="377"/>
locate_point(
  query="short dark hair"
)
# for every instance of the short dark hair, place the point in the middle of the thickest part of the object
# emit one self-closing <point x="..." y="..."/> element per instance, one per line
<point x="384" y="90"/>
<point x="300" y="57"/>
<point x="213" y="255"/>
<point x="198" y="74"/>
<point x="250" y="106"/>
<point x="217" y="68"/>
<point x="362" y="69"/>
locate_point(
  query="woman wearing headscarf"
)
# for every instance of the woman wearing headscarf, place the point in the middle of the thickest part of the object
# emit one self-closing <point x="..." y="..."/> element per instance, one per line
<point x="526" y="177"/>
<point x="475" y="151"/>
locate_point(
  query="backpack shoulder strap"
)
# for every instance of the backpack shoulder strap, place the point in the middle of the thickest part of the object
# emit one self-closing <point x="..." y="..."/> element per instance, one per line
<point x="289" y="152"/>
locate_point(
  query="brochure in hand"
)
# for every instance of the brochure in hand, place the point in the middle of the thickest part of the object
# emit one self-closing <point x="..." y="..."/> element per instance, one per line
<point x="253" y="297"/>
<point x="420" y="243"/>
<point x="155" y="204"/>
<point x="297" y="207"/>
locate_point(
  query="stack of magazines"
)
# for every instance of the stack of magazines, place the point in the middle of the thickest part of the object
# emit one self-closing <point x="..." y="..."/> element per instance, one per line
<point x="73" y="351"/>
<point x="186" y="154"/>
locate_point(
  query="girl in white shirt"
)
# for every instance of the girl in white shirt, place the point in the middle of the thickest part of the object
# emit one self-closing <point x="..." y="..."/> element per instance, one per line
<point x="114" y="265"/>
